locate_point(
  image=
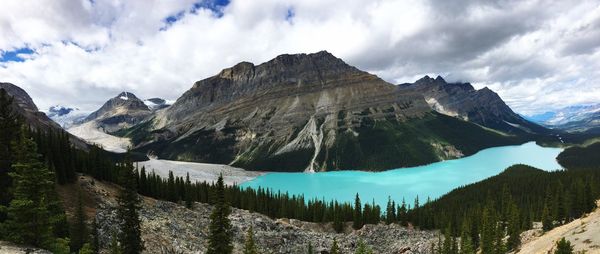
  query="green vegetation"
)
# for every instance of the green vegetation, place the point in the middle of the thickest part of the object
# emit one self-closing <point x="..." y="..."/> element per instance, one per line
<point x="249" y="245"/>
<point x="220" y="235"/>
<point x="563" y="247"/>
<point x="385" y="144"/>
<point x="34" y="213"/>
<point x="129" y="204"/>
<point x="577" y="157"/>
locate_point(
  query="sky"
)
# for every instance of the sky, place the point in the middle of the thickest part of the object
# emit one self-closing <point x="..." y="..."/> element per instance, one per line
<point x="537" y="55"/>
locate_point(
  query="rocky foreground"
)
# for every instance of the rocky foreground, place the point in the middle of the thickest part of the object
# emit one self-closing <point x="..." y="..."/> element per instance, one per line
<point x="171" y="228"/>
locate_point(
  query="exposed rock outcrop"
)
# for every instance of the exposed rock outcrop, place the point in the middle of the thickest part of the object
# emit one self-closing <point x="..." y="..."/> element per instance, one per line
<point x="481" y="106"/>
<point x="122" y="111"/>
<point x="171" y="228"/>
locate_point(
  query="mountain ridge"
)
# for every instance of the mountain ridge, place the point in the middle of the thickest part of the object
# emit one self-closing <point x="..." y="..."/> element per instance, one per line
<point x="306" y="112"/>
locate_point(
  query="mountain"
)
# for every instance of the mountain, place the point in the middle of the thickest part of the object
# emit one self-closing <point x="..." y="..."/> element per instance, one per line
<point x="66" y="116"/>
<point x="24" y="105"/>
<point x="483" y="106"/>
<point x="122" y="111"/>
<point x="307" y="112"/>
<point x="576" y="118"/>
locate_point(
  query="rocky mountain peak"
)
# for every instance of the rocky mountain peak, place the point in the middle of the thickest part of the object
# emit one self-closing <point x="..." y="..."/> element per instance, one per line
<point x="21" y="97"/>
<point x="121" y="111"/>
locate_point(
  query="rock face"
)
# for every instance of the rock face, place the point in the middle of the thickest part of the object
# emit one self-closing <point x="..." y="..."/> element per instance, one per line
<point x="24" y="105"/>
<point x="306" y="112"/>
<point x="171" y="228"/>
<point x="122" y="111"/>
<point x="482" y="106"/>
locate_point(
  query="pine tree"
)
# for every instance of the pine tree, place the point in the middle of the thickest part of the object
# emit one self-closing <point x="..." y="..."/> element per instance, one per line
<point x="249" y="245"/>
<point x="390" y="216"/>
<point x="466" y="244"/>
<point x="310" y="248"/>
<point x="129" y="202"/>
<point x="335" y="249"/>
<point x="29" y="217"/>
<point x="357" y="217"/>
<point x="362" y="248"/>
<point x="10" y="126"/>
<point x="338" y="225"/>
<point x="402" y="214"/>
<point x="114" y="248"/>
<point x="563" y="247"/>
<point x="546" y="219"/>
<point x="514" y="227"/>
<point x="189" y="203"/>
<point x="95" y="240"/>
<point x="488" y="231"/>
<point x="447" y="247"/>
<point x="219" y="240"/>
<point x="78" y="229"/>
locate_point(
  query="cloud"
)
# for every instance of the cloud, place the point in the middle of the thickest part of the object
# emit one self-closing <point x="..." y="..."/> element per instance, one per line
<point x="532" y="52"/>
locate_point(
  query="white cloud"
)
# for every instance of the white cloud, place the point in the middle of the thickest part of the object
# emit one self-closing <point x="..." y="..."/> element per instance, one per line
<point x="536" y="54"/>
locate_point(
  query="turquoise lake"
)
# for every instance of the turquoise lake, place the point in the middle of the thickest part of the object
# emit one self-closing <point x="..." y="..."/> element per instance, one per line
<point x="431" y="180"/>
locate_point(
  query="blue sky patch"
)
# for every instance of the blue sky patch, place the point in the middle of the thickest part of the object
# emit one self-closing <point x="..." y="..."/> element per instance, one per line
<point x="13" y="56"/>
<point x="216" y="6"/>
<point x="289" y="16"/>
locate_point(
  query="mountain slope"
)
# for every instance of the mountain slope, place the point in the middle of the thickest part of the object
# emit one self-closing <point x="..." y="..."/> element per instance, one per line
<point x="482" y="106"/>
<point x="120" y="112"/>
<point x="308" y="112"/>
<point x="24" y="105"/>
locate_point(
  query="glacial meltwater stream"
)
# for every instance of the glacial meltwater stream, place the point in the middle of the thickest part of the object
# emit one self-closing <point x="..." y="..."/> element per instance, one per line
<point x="431" y="180"/>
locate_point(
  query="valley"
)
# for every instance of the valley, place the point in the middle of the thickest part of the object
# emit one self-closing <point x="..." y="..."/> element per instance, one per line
<point x="313" y="151"/>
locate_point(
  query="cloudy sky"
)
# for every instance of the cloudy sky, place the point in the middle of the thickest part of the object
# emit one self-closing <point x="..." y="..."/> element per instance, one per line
<point x="538" y="55"/>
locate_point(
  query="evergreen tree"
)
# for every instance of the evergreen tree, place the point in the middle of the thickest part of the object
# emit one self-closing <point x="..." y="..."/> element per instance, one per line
<point x="335" y="249"/>
<point x="390" y="213"/>
<point x="357" y="222"/>
<point x="447" y="247"/>
<point x="563" y="247"/>
<point x="466" y="244"/>
<point x="29" y="217"/>
<point x="95" y="240"/>
<point x="10" y="126"/>
<point x="488" y="231"/>
<point x="249" y="245"/>
<point x="129" y="202"/>
<point x="219" y="240"/>
<point x="188" y="192"/>
<point x="338" y="225"/>
<point x="362" y="248"/>
<point x="78" y="229"/>
<point x="514" y="227"/>
<point x="402" y="214"/>
<point x="310" y="248"/>
<point x="547" y="223"/>
<point x="114" y="248"/>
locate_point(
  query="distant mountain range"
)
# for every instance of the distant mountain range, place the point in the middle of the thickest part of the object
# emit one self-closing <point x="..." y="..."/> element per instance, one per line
<point x="66" y="116"/>
<point x="314" y="112"/>
<point x="573" y="119"/>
